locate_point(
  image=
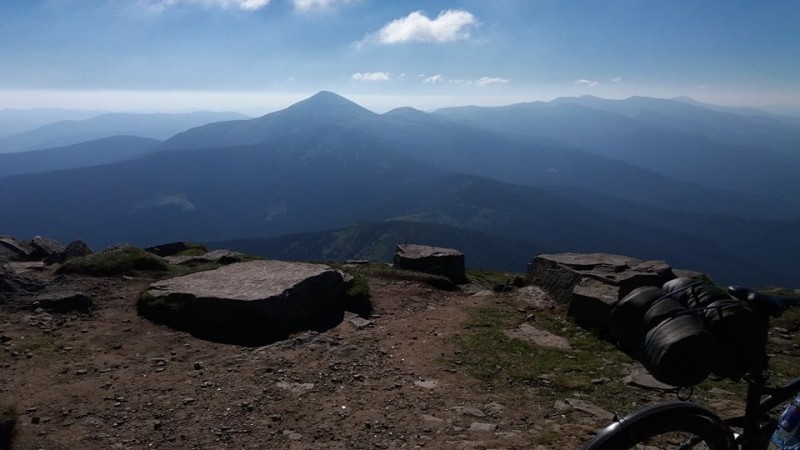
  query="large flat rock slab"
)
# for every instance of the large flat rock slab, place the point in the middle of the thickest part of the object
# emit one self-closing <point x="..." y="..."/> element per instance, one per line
<point x="442" y="261"/>
<point x="590" y="284"/>
<point x="14" y="249"/>
<point x="247" y="302"/>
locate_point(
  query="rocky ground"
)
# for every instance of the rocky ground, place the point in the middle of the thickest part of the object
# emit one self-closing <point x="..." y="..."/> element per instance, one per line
<point x="401" y="379"/>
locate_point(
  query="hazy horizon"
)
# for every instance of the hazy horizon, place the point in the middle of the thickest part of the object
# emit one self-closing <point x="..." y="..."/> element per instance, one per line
<point x="257" y="56"/>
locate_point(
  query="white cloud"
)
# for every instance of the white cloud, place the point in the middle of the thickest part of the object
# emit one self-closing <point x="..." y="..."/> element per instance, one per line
<point x="485" y="81"/>
<point x="587" y="83"/>
<point x="616" y="79"/>
<point x="451" y="25"/>
<point x="433" y="79"/>
<point x="317" y="5"/>
<point x="244" y="5"/>
<point x="480" y="82"/>
<point x="372" y="76"/>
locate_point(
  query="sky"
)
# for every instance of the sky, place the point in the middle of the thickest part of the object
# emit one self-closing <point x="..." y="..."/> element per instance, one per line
<point x="255" y="56"/>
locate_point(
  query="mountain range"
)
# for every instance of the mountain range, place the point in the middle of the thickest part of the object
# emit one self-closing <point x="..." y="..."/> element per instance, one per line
<point x="83" y="154"/>
<point x="327" y="179"/>
<point x="67" y="132"/>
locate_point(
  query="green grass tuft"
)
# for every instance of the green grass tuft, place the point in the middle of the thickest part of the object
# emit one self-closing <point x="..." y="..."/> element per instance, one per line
<point x="193" y="249"/>
<point x="160" y="309"/>
<point x="117" y="261"/>
<point x="590" y="368"/>
<point x="496" y="281"/>
<point x="386" y="271"/>
<point x="359" y="296"/>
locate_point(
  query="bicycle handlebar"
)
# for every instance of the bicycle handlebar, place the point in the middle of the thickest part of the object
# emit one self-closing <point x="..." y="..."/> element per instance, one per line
<point x="775" y="305"/>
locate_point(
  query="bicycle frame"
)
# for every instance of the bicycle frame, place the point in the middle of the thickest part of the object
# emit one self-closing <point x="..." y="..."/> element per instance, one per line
<point x="756" y="424"/>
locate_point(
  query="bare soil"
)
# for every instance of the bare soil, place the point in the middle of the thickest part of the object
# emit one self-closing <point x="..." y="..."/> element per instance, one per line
<point x="113" y="380"/>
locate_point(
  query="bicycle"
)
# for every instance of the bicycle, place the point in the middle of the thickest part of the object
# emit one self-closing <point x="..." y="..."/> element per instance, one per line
<point x="686" y="425"/>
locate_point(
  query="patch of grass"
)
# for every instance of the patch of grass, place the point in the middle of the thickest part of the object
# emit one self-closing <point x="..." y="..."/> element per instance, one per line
<point x="160" y="309"/>
<point x="496" y="281"/>
<point x="179" y="270"/>
<point x="548" y="436"/>
<point x="8" y="426"/>
<point x="358" y="296"/>
<point x="122" y="260"/>
<point x="791" y="317"/>
<point x="385" y="271"/>
<point x="591" y="368"/>
<point x="193" y="249"/>
<point x="42" y="345"/>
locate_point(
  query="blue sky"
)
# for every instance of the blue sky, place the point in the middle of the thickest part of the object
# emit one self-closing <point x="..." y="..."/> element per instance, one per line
<point x="260" y="55"/>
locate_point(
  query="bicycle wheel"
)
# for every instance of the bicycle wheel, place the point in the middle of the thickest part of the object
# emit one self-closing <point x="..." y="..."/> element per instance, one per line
<point x="673" y="425"/>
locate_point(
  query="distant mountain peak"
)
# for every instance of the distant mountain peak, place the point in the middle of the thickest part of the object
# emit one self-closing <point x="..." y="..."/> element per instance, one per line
<point x="407" y="112"/>
<point x="404" y="110"/>
<point x="326" y="103"/>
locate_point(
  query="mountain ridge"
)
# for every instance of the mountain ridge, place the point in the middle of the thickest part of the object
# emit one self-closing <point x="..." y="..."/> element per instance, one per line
<point x="67" y="132"/>
<point x="85" y="154"/>
<point x="327" y="163"/>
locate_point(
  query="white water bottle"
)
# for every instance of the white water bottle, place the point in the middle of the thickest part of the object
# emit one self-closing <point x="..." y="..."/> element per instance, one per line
<point x="787" y="435"/>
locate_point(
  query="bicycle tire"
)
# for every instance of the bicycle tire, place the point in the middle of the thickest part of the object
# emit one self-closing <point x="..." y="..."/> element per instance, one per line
<point x="672" y="425"/>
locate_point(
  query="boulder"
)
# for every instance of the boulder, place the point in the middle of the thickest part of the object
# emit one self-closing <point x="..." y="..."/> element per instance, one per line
<point x="14" y="249"/>
<point x="64" y="301"/>
<point x="75" y="249"/>
<point x="12" y="284"/>
<point x="168" y="249"/>
<point x="592" y="301"/>
<point x="44" y="247"/>
<point x="216" y="256"/>
<point x="589" y="285"/>
<point x="249" y="302"/>
<point x="8" y="282"/>
<point x="446" y="262"/>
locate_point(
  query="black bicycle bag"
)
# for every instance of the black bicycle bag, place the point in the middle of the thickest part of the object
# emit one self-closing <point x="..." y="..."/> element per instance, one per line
<point x="666" y="337"/>
<point x="730" y="321"/>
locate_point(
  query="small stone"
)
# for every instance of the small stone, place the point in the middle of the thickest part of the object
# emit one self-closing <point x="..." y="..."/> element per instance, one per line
<point x="188" y="400"/>
<point x="596" y="411"/>
<point x="427" y="384"/>
<point x="561" y="406"/>
<point x="482" y="427"/>
<point x="360" y="322"/>
<point x="470" y="411"/>
<point x="81" y="372"/>
<point x="432" y="419"/>
<point x="292" y="435"/>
